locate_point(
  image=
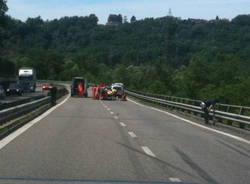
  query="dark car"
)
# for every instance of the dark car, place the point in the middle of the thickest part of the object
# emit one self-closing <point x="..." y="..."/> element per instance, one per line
<point x="2" y="92"/>
<point x="14" y="89"/>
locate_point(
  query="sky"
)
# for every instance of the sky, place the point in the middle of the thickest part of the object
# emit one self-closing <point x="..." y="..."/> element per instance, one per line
<point x="203" y="9"/>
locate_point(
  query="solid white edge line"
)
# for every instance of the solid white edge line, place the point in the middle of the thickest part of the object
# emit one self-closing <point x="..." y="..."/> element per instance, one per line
<point x="193" y="123"/>
<point x="132" y="134"/>
<point x="123" y="124"/>
<point x="21" y="130"/>
<point x="148" y="151"/>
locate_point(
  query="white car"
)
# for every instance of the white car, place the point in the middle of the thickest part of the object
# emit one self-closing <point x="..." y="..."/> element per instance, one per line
<point x="117" y="84"/>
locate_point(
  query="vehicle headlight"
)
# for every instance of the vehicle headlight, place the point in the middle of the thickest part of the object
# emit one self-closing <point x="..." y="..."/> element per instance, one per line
<point x="8" y="89"/>
<point x="17" y="89"/>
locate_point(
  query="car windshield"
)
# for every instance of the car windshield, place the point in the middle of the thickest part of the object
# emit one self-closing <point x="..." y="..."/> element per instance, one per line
<point x="13" y="85"/>
<point x="118" y="88"/>
<point x="25" y="78"/>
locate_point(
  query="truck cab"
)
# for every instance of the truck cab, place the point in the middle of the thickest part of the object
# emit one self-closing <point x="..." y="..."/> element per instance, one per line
<point x="27" y="79"/>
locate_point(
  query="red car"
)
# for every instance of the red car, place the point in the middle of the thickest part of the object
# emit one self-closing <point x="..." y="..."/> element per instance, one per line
<point x="47" y="87"/>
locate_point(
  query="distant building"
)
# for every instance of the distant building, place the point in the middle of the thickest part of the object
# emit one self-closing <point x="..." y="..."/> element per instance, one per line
<point x="224" y="20"/>
<point x="217" y="19"/>
<point x="198" y="21"/>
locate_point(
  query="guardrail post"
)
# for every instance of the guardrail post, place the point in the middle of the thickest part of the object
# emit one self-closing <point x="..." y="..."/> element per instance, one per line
<point x="229" y="122"/>
<point x="242" y="125"/>
<point x="241" y="111"/>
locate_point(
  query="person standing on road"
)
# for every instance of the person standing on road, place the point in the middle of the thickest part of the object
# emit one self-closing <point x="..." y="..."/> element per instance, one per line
<point x="80" y="89"/>
<point x="53" y="92"/>
<point x="206" y="107"/>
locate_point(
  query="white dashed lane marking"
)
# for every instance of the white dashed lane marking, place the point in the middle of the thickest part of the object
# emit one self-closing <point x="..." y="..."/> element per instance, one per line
<point x="108" y="109"/>
<point x="116" y="117"/>
<point x="148" y="151"/>
<point x="111" y="112"/>
<point x="123" y="124"/>
<point x="132" y="134"/>
<point x="174" y="179"/>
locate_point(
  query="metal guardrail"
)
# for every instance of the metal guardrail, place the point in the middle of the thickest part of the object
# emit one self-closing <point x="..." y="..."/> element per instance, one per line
<point x="19" y="102"/>
<point x="235" y="109"/>
<point x="14" y="112"/>
<point x="218" y="115"/>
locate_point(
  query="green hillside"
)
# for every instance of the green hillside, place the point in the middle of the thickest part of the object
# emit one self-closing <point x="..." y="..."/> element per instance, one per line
<point x="188" y="58"/>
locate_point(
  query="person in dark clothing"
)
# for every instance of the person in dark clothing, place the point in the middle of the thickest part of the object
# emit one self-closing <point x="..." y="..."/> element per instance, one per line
<point x="206" y="107"/>
<point x="53" y="95"/>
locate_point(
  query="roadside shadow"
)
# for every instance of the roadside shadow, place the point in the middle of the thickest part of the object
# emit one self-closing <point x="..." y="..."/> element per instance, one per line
<point x="157" y="160"/>
<point x="202" y="173"/>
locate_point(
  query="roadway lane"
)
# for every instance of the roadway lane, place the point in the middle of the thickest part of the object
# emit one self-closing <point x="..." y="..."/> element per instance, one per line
<point x="93" y="142"/>
<point x="205" y="156"/>
<point x="79" y="140"/>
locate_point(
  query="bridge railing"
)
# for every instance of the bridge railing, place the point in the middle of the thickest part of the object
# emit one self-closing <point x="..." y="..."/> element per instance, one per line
<point x="228" y="114"/>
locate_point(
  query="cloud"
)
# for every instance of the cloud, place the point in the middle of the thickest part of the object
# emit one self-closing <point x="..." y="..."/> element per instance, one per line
<point x="50" y="9"/>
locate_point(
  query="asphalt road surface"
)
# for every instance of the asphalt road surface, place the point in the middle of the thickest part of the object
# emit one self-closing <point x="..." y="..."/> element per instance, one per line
<point x="87" y="141"/>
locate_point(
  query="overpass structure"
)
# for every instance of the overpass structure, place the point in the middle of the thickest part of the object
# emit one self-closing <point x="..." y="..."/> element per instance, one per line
<point x="85" y="141"/>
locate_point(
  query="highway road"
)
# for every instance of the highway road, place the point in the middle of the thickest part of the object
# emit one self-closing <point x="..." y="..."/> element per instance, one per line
<point x="87" y="141"/>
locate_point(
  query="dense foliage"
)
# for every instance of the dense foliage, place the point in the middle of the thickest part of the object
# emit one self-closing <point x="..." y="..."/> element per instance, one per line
<point x="188" y="58"/>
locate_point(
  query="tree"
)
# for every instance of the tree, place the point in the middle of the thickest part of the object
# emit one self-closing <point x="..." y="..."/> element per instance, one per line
<point x="190" y="58"/>
<point x="242" y="20"/>
<point x="3" y="7"/>
<point x="133" y="19"/>
<point x="7" y="68"/>
<point x="114" y="19"/>
<point x="125" y="19"/>
<point x="196" y="76"/>
<point x="93" y="19"/>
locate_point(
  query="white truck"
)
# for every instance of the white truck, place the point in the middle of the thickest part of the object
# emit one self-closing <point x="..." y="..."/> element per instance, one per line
<point x="27" y="79"/>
